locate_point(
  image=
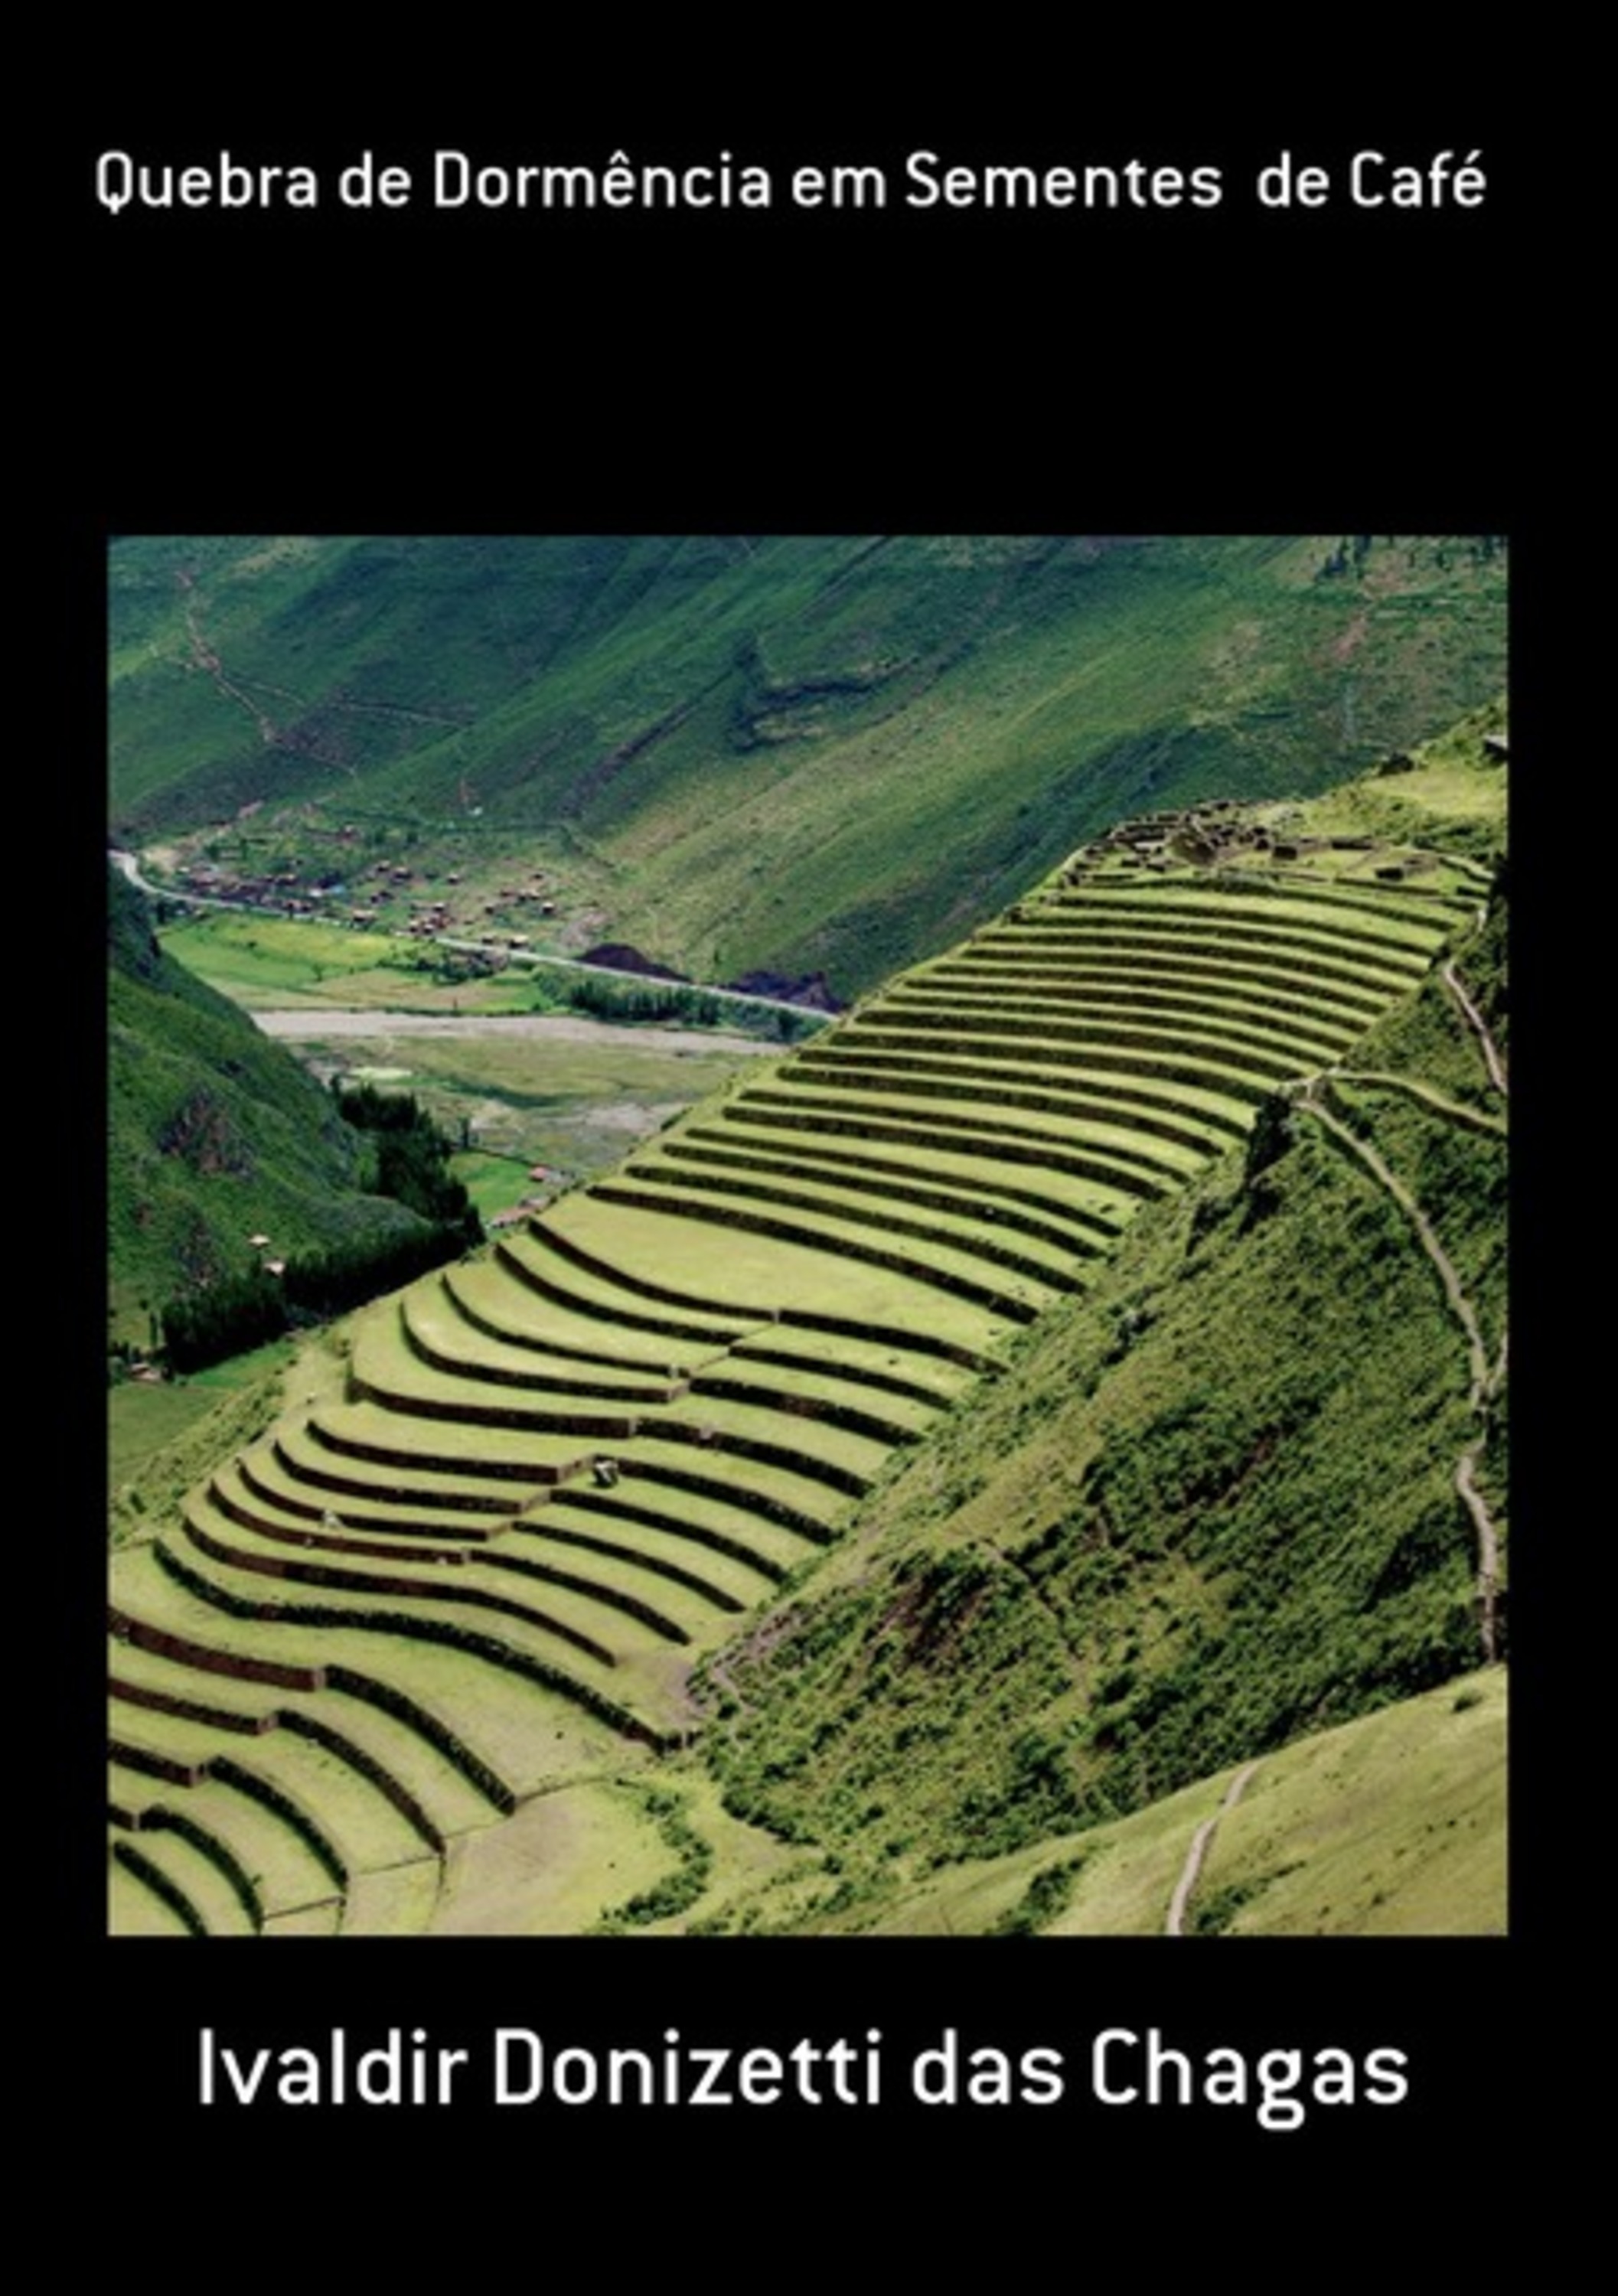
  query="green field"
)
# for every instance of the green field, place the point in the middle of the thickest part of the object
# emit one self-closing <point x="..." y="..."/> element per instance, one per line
<point x="269" y="959"/>
<point x="145" y="1418"/>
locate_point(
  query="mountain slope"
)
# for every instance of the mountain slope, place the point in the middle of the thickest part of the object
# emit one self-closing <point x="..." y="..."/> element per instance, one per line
<point x="738" y="753"/>
<point x="216" y="1134"/>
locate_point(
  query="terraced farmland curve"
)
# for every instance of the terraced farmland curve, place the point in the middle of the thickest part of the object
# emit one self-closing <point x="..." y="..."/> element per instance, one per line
<point x="567" y="1469"/>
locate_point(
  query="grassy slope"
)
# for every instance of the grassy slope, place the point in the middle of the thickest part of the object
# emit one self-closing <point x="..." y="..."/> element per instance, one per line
<point x="832" y="753"/>
<point x="1208" y="1510"/>
<point x="1390" y="1825"/>
<point x="215" y="1134"/>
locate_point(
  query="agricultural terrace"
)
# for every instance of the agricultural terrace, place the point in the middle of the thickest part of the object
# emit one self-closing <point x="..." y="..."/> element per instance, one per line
<point x="566" y="1469"/>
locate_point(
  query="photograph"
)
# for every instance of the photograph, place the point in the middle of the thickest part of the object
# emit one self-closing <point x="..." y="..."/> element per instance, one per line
<point x="808" y="1235"/>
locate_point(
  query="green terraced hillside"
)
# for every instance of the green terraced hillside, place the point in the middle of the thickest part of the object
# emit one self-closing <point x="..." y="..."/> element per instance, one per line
<point x="485" y="1599"/>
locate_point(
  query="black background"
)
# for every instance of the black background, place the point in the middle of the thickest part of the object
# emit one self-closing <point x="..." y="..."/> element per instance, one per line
<point x="1346" y="370"/>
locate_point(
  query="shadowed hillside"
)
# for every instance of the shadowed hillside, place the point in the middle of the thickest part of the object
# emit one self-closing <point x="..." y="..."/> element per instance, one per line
<point x="219" y="1137"/>
<point x="216" y="1135"/>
